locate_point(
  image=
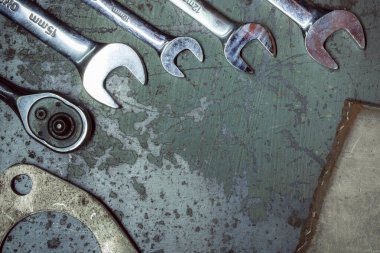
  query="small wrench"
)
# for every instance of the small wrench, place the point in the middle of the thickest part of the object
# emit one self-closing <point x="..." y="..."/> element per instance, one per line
<point x="47" y="117"/>
<point x="168" y="47"/>
<point x="94" y="60"/>
<point x="234" y="36"/>
<point x="319" y="24"/>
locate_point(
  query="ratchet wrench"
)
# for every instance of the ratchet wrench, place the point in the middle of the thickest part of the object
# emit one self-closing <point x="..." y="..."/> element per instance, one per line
<point x="93" y="60"/>
<point x="167" y="47"/>
<point x="319" y="24"/>
<point x="234" y="36"/>
<point x="47" y="117"/>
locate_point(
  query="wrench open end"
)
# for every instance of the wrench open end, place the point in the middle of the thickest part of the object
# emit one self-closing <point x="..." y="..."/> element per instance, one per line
<point x="174" y="48"/>
<point x="105" y="60"/>
<point x="327" y="25"/>
<point x="240" y="38"/>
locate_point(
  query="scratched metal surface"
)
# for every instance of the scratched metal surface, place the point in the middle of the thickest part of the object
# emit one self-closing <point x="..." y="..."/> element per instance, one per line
<point x="218" y="162"/>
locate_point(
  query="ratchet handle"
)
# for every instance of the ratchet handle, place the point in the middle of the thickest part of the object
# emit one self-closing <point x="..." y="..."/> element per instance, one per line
<point x="207" y="16"/>
<point x="131" y="22"/>
<point x="47" y="28"/>
<point x="9" y="93"/>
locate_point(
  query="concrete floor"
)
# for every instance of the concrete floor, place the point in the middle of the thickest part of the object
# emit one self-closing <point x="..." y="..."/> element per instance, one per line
<point x="218" y="162"/>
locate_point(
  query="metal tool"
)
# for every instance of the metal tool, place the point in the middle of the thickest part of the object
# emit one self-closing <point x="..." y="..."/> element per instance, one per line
<point x="94" y="60"/>
<point x="234" y="36"/>
<point x="47" y="117"/>
<point x="319" y="24"/>
<point x="50" y="193"/>
<point x="168" y="47"/>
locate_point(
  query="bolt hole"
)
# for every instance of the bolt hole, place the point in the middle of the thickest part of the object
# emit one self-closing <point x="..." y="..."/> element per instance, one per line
<point x="22" y="185"/>
<point x="41" y="113"/>
<point x="57" y="104"/>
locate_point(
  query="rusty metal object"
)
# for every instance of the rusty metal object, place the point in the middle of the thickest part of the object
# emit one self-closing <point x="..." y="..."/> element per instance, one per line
<point x="233" y="35"/>
<point x="319" y="24"/>
<point x="50" y="193"/>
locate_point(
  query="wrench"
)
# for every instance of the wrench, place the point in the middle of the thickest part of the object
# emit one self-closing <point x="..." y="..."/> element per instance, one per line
<point x="94" y="60"/>
<point x="234" y="36"/>
<point x="319" y="24"/>
<point x="47" y="117"/>
<point x="168" y="47"/>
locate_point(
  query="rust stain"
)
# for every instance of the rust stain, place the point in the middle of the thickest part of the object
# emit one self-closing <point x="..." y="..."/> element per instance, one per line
<point x="252" y="28"/>
<point x="349" y="114"/>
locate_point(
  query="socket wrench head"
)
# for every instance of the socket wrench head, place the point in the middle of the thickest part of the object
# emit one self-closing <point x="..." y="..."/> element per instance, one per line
<point x="327" y="25"/>
<point x="54" y="121"/>
<point x="108" y="58"/>
<point x="173" y="48"/>
<point x="240" y="38"/>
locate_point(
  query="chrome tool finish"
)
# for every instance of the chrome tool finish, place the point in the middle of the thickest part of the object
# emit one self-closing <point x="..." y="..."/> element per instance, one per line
<point x="234" y="36"/>
<point x="93" y="60"/>
<point x="319" y="24"/>
<point x="167" y="46"/>
<point x="47" y="117"/>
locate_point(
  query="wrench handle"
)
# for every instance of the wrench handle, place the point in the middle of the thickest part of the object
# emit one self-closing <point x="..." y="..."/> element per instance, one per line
<point x="207" y="16"/>
<point x="300" y="11"/>
<point x="9" y="93"/>
<point x="48" y="29"/>
<point x="131" y="22"/>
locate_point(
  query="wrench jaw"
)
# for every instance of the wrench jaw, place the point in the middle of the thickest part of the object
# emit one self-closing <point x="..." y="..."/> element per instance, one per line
<point x="174" y="48"/>
<point x="327" y="25"/>
<point x="106" y="59"/>
<point x="240" y="38"/>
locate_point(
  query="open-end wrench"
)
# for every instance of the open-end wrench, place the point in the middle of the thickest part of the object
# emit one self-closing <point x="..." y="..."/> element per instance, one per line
<point x="94" y="60"/>
<point x="47" y="117"/>
<point x="319" y="24"/>
<point x="234" y="36"/>
<point x="168" y="47"/>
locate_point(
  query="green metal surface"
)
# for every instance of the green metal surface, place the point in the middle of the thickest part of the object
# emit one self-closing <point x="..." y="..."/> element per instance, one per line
<point x="215" y="162"/>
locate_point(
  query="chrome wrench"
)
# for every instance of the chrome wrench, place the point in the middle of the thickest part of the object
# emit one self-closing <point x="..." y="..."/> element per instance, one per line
<point x="47" y="117"/>
<point x="319" y="24"/>
<point x="168" y="47"/>
<point x="94" y="60"/>
<point x="234" y="36"/>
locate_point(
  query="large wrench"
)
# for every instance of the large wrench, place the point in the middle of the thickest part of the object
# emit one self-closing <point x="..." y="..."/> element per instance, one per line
<point x="319" y="24"/>
<point x="167" y="46"/>
<point x="234" y="36"/>
<point x="94" y="60"/>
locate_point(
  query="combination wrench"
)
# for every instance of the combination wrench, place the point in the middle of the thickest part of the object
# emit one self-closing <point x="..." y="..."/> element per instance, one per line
<point x="93" y="60"/>
<point x="47" y="117"/>
<point x="167" y="47"/>
<point x="319" y="24"/>
<point x="233" y="35"/>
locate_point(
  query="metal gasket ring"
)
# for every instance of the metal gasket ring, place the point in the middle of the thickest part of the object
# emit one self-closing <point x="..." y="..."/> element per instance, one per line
<point x="50" y="193"/>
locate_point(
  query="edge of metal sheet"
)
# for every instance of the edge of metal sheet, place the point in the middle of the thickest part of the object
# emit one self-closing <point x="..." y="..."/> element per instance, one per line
<point x="350" y="113"/>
